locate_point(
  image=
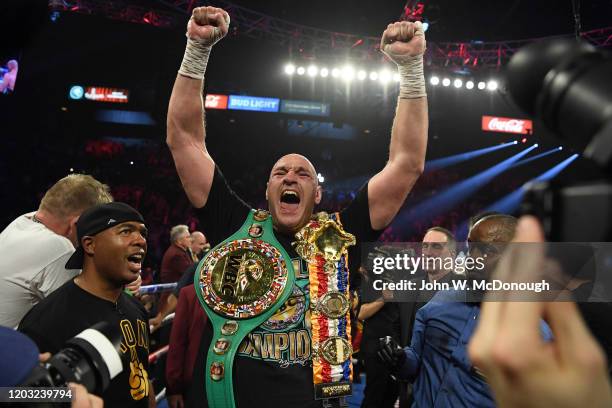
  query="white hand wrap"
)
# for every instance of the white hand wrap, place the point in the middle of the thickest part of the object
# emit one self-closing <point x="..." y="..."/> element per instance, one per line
<point x="195" y="59"/>
<point x="412" y="79"/>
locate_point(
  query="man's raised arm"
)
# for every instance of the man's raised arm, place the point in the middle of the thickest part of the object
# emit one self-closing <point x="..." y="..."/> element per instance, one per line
<point x="185" y="132"/>
<point x="404" y="44"/>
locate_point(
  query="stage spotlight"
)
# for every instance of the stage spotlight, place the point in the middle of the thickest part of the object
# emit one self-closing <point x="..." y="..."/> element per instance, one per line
<point x="481" y="85"/>
<point x="512" y="201"/>
<point x="301" y="70"/>
<point x="492" y="85"/>
<point x="361" y="75"/>
<point x="442" y="162"/>
<point x="320" y="178"/>
<point x="324" y="72"/>
<point x="516" y="142"/>
<point x="434" y="80"/>
<point x="446" y="82"/>
<point x="348" y="73"/>
<point x="524" y="140"/>
<point x="131" y="163"/>
<point x="335" y="72"/>
<point x="385" y="76"/>
<point x="469" y="84"/>
<point x="289" y="69"/>
<point x="373" y="76"/>
<point x="425" y="26"/>
<point x="458" y="83"/>
<point x="313" y="71"/>
<point x="536" y="145"/>
<point x="536" y="157"/>
<point x="396" y="77"/>
<point x="560" y="147"/>
<point x="447" y="198"/>
<point x="71" y="169"/>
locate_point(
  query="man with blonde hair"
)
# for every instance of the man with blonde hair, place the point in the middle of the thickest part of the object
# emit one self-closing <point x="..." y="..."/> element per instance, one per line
<point x="35" y="247"/>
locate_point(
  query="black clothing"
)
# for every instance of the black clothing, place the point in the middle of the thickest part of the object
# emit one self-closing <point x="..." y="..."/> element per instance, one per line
<point x="70" y="310"/>
<point x="186" y="279"/>
<point x="273" y="366"/>
<point x="394" y="319"/>
<point x="380" y="389"/>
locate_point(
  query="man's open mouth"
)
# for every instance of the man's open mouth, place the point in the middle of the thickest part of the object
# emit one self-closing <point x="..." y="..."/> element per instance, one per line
<point x="290" y="200"/>
<point x="135" y="261"/>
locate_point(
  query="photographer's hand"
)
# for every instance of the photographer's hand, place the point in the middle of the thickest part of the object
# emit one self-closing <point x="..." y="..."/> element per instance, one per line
<point x="44" y="357"/>
<point x="522" y="369"/>
<point x="82" y="399"/>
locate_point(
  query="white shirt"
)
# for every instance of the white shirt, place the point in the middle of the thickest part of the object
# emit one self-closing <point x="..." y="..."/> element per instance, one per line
<point x="32" y="265"/>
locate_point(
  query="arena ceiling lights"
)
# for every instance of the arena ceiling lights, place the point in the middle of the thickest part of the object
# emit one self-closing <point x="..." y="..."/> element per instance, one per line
<point x="448" y="82"/>
<point x="346" y="72"/>
<point x="384" y="76"/>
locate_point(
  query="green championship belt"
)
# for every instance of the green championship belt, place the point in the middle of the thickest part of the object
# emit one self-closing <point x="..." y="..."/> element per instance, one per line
<point x="241" y="283"/>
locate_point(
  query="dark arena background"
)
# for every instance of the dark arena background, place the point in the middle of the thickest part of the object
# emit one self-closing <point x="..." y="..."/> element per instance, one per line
<point x="95" y="79"/>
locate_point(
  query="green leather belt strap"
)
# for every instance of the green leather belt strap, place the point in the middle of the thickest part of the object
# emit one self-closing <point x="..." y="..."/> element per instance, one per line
<point x="239" y="294"/>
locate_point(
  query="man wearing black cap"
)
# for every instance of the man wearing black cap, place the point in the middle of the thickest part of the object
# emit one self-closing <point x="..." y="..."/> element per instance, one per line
<point x="112" y="247"/>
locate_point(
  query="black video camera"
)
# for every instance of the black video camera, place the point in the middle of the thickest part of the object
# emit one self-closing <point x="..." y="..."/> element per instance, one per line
<point x="91" y="358"/>
<point x="567" y="84"/>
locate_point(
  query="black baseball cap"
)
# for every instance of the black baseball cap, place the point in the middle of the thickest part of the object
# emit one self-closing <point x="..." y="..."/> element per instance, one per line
<point x="97" y="219"/>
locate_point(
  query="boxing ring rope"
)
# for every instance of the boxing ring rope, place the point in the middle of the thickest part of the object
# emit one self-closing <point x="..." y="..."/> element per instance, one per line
<point x="160" y="353"/>
<point x="159" y="288"/>
<point x="166" y="320"/>
<point x="161" y="395"/>
<point x="156" y="355"/>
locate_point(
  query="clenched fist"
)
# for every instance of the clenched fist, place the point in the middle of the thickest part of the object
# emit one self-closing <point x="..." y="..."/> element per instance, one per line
<point x="208" y="25"/>
<point x="403" y="40"/>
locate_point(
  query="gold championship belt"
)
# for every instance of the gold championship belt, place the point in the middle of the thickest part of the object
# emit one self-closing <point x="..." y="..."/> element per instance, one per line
<point x="241" y="283"/>
<point x="324" y="245"/>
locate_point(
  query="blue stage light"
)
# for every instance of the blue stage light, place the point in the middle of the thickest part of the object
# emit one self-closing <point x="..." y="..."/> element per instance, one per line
<point x="443" y="162"/>
<point x="537" y="156"/>
<point x="454" y="194"/>
<point x="511" y="202"/>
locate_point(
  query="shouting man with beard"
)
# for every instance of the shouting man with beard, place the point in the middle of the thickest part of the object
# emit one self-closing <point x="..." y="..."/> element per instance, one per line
<point x="287" y="352"/>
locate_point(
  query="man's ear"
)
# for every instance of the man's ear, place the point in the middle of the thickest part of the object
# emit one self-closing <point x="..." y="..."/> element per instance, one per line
<point x="71" y="229"/>
<point x="318" y="195"/>
<point x="89" y="245"/>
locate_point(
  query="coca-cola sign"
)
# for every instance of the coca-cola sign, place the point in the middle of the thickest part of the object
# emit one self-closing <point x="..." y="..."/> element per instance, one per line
<point x="507" y="125"/>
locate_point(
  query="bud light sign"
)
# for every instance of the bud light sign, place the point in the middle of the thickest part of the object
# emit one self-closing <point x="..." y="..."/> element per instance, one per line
<point x="507" y="125"/>
<point x="252" y="103"/>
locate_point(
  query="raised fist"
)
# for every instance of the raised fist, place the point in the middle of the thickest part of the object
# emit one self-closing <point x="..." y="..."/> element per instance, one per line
<point x="403" y="40"/>
<point x="208" y="25"/>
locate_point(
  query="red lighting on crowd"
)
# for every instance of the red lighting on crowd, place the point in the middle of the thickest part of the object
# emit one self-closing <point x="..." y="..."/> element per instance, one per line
<point x="413" y="11"/>
<point x="149" y="17"/>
